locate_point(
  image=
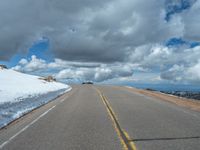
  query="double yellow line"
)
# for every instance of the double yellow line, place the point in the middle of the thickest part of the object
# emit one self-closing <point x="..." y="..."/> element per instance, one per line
<point x="125" y="139"/>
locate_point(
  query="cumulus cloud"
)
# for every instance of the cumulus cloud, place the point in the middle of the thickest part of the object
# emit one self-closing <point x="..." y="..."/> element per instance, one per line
<point x="183" y="74"/>
<point x="95" y="31"/>
<point x="191" y="22"/>
<point x="59" y="63"/>
<point x="66" y="70"/>
<point x="101" y="40"/>
<point x="176" y="73"/>
<point x="176" y="64"/>
<point x="156" y="55"/>
<point x="34" y="64"/>
<point x="24" y="61"/>
<point x="98" y="74"/>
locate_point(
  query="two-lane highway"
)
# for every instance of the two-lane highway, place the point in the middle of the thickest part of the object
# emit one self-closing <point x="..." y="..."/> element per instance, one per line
<point x="104" y="117"/>
<point x="154" y="124"/>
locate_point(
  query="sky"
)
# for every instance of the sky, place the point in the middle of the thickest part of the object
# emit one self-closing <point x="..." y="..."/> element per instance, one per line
<point x="107" y="41"/>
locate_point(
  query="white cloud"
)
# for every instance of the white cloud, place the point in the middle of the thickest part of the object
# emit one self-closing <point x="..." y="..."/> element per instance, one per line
<point x="17" y="68"/>
<point x="89" y="31"/>
<point x="175" y="64"/>
<point x="34" y="64"/>
<point x="66" y="70"/>
<point x="67" y="74"/>
<point x="193" y="72"/>
<point x="59" y="63"/>
<point x="183" y="74"/>
<point x="103" y="73"/>
<point x="191" y="22"/>
<point x="102" y="40"/>
<point x="97" y="74"/>
<point x="175" y="73"/>
<point x="23" y="62"/>
<point x="153" y="56"/>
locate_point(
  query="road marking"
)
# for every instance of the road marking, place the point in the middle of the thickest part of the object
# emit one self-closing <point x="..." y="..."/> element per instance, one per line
<point x="125" y="139"/>
<point x="25" y="128"/>
<point x="63" y="100"/>
<point x="178" y="107"/>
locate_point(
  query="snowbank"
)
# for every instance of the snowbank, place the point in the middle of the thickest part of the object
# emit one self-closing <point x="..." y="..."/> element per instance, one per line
<point x="20" y="93"/>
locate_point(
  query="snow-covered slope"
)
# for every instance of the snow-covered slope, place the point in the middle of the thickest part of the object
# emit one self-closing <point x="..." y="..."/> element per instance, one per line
<point x="20" y="93"/>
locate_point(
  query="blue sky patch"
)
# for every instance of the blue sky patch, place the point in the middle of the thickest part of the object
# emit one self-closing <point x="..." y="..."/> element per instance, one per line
<point x="39" y="48"/>
<point x="180" y="42"/>
<point x="177" y="6"/>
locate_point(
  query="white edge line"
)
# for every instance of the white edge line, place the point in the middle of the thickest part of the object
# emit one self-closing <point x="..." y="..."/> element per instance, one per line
<point x="26" y="127"/>
<point x="62" y="100"/>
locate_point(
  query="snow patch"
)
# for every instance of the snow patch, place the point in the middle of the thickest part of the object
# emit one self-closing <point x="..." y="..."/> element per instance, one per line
<point x="21" y="93"/>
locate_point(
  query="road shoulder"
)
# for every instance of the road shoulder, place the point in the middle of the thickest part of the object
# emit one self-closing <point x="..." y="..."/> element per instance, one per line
<point x="187" y="103"/>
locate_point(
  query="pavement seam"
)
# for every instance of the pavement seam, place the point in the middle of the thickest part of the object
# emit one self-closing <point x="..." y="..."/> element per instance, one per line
<point x="122" y="134"/>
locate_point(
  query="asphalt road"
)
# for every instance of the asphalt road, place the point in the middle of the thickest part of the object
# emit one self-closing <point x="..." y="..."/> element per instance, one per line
<point x="104" y="117"/>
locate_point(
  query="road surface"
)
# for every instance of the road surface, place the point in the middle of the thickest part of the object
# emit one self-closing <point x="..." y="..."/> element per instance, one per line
<point x="104" y="118"/>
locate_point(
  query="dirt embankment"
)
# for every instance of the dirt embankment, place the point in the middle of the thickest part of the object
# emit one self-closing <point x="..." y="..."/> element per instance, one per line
<point x="189" y="103"/>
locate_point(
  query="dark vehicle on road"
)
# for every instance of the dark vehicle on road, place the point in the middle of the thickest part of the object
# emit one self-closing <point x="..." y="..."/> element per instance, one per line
<point x="87" y="82"/>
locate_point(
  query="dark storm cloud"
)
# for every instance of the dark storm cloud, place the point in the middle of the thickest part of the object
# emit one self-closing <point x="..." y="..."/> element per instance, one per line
<point x="89" y="30"/>
<point x="24" y="21"/>
<point x="109" y="33"/>
<point x="105" y="32"/>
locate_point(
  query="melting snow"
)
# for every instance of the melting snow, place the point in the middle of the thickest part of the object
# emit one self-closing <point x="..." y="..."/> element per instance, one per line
<point x="21" y="93"/>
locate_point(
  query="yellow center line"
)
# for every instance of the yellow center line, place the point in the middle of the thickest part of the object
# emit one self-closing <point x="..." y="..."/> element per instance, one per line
<point x="125" y="139"/>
